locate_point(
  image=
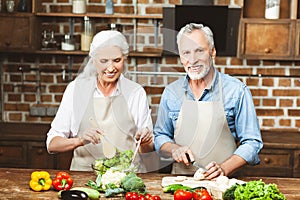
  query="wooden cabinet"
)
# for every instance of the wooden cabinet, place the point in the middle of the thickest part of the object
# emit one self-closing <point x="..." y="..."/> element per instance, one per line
<point x="265" y="39"/>
<point x="269" y="39"/>
<point x="280" y="156"/>
<point x="17" y="31"/>
<point x="24" y="145"/>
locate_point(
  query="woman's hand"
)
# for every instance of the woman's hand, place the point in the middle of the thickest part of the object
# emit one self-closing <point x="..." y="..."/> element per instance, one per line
<point x="146" y="135"/>
<point x="91" y="135"/>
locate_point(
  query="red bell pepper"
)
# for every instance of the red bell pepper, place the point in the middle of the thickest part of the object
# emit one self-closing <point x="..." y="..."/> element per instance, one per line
<point x="62" y="181"/>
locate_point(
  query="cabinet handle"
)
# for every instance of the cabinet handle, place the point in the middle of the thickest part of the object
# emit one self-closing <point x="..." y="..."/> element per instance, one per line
<point x="267" y="160"/>
<point x="1" y="152"/>
<point x="40" y="151"/>
<point x="7" y="43"/>
<point x="267" y="50"/>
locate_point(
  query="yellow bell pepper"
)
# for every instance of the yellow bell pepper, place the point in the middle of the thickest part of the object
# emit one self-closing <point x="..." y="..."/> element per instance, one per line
<point x="40" y="180"/>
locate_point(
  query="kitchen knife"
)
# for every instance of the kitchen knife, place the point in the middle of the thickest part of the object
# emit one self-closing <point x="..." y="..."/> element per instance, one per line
<point x="198" y="165"/>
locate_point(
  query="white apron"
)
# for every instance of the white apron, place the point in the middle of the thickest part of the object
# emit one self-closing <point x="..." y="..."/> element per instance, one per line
<point x="112" y="115"/>
<point x="202" y="126"/>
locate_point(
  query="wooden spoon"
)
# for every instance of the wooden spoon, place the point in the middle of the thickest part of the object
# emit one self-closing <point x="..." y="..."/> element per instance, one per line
<point x="109" y="149"/>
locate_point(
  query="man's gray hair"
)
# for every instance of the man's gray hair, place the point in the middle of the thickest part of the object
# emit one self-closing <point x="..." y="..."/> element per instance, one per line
<point x="193" y="26"/>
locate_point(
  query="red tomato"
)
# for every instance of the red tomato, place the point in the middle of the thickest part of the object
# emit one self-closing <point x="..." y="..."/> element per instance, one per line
<point x="183" y="195"/>
<point x="148" y="196"/>
<point x="132" y="196"/>
<point x="142" y="197"/>
<point x="154" y="197"/>
<point x="201" y="194"/>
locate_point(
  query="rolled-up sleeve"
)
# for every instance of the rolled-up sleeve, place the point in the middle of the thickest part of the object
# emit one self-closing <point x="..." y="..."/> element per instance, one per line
<point x="61" y="125"/>
<point x="248" y="129"/>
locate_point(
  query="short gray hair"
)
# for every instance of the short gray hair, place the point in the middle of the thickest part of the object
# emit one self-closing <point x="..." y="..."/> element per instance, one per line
<point x="193" y="26"/>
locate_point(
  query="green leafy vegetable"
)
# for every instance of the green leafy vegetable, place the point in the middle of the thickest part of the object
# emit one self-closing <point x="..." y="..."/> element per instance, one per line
<point x="257" y="190"/>
<point x="133" y="183"/>
<point x="120" y="161"/>
<point x="229" y="193"/>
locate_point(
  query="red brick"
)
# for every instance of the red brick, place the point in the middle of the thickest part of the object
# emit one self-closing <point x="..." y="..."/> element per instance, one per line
<point x="155" y="100"/>
<point x="220" y="61"/>
<point x="271" y="71"/>
<point x="15" y="116"/>
<point x="269" y="112"/>
<point x="285" y="122"/>
<point x="269" y="102"/>
<point x="259" y="92"/>
<point x="294" y="112"/>
<point x="57" y="88"/>
<point x="285" y="102"/>
<point x="268" y="122"/>
<point x="298" y="123"/>
<point x="252" y="81"/>
<point x="288" y="92"/>
<point x="30" y="97"/>
<point x="238" y="71"/>
<point x="284" y="82"/>
<point x="153" y="10"/>
<point x="236" y="61"/>
<point x="153" y="90"/>
<point x="268" y="82"/>
<point x="14" y="97"/>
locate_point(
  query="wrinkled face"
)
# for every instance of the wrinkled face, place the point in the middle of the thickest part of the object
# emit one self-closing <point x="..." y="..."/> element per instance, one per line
<point x="195" y="54"/>
<point x="109" y="62"/>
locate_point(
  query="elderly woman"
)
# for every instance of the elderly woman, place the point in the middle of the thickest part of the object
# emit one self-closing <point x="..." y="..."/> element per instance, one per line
<point x="117" y="107"/>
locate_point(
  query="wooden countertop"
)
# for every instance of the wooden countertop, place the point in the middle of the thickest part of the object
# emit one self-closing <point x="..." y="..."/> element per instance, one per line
<point x="14" y="184"/>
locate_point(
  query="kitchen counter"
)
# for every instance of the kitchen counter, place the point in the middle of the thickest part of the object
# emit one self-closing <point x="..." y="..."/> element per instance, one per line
<point x="14" y="184"/>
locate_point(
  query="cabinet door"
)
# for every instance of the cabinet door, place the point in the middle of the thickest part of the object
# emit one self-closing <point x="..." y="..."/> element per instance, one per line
<point x="16" y="32"/>
<point x="13" y="154"/>
<point x="297" y="163"/>
<point x="267" y="39"/>
<point x="274" y="162"/>
<point x="38" y="157"/>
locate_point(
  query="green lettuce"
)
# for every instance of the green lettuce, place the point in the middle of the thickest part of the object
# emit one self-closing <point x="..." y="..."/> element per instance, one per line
<point x="258" y="190"/>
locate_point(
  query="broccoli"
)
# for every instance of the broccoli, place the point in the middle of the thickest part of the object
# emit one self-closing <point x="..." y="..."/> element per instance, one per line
<point x="133" y="183"/>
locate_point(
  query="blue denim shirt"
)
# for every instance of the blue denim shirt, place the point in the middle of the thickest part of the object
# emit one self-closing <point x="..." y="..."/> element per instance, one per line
<point x="238" y="106"/>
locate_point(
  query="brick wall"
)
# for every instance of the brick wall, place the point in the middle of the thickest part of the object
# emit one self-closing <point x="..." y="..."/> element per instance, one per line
<point x="38" y="81"/>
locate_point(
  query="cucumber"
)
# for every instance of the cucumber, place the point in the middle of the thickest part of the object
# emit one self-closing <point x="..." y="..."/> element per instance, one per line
<point x="92" y="193"/>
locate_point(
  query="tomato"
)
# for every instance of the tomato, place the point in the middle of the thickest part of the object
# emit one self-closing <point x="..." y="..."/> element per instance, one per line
<point x="154" y="197"/>
<point x="148" y="196"/>
<point x="142" y="197"/>
<point x="132" y="196"/>
<point x="183" y="195"/>
<point x="201" y="194"/>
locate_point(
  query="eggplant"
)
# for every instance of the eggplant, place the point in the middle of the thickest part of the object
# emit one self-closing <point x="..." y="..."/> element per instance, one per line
<point x="74" y="195"/>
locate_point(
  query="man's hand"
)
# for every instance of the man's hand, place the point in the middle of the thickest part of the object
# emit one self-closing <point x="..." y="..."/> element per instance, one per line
<point x="180" y="154"/>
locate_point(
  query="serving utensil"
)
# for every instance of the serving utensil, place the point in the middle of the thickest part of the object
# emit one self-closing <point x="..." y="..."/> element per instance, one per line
<point x="109" y="149"/>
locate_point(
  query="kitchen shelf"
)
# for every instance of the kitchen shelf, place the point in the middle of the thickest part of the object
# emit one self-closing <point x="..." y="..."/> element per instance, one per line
<point x="99" y="15"/>
<point x="154" y="54"/>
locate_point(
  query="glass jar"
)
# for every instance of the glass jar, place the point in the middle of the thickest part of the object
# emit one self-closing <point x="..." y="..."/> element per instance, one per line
<point x="87" y="34"/>
<point x="68" y="43"/>
<point x="272" y="9"/>
<point x="109" y="7"/>
<point x="22" y="7"/>
<point x="79" y="6"/>
<point x="10" y="5"/>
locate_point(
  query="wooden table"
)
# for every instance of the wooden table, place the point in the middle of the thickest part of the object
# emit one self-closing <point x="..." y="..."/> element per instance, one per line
<point x="14" y="184"/>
